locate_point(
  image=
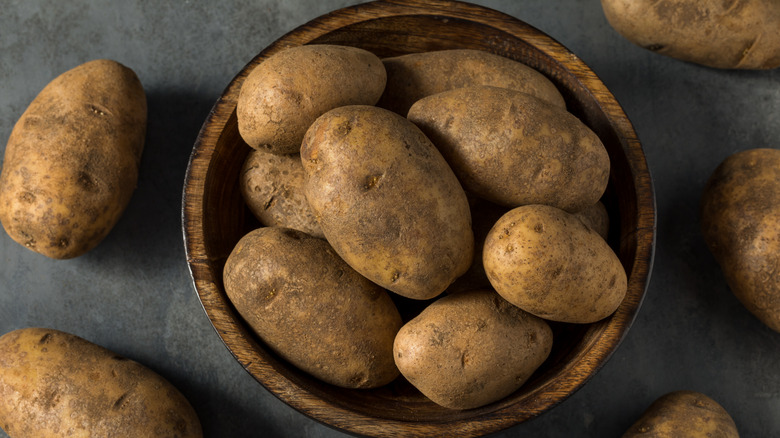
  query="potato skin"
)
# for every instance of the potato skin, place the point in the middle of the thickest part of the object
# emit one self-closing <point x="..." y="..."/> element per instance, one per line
<point x="416" y="75"/>
<point x="740" y="222"/>
<point x="470" y="349"/>
<point x="387" y="201"/>
<point x="550" y="264"/>
<point x="513" y="149"/>
<point x="684" y="414"/>
<point x="310" y="307"/>
<point x="71" y="162"/>
<point x="284" y="94"/>
<point x="272" y="187"/>
<point x="729" y="34"/>
<point x="55" y="384"/>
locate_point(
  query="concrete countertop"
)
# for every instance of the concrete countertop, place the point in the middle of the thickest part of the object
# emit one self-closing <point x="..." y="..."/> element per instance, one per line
<point x="133" y="293"/>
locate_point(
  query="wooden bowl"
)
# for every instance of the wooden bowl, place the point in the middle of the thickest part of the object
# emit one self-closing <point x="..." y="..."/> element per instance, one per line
<point x="215" y="218"/>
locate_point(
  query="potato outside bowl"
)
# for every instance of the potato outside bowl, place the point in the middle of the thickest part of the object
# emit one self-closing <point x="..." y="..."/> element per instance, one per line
<point x="215" y="218"/>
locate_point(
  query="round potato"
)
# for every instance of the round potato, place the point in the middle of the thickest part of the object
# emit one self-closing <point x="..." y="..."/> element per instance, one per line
<point x="55" y="384"/>
<point x="513" y="149"/>
<point x="71" y="162"/>
<point x="284" y="94"/>
<point x="738" y="34"/>
<point x="272" y="187"/>
<point x="387" y="201"/>
<point x="470" y="349"/>
<point x="312" y="309"/>
<point x="684" y="414"/>
<point x="416" y="75"/>
<point x="550" y="264"/>
<point x="740" y="222"/>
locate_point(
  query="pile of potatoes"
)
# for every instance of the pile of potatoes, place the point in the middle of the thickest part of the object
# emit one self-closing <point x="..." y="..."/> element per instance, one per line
<point x="455" y="178"/>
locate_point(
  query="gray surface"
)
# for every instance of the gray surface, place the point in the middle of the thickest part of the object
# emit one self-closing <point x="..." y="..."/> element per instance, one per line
<point x="133" y="293"/>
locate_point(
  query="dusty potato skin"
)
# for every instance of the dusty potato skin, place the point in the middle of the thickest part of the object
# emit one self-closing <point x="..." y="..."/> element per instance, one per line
<point x="740" y="222"/>
<point x="55" y="384"/>
<point x="310" y="307"/>
<point x="684" y="414"/>
<point x="513" y="149"/>
<point x="470" y="349"/>
<point x="272" y="187"/>
<point x="596" y="217"/>
<point x="550" y="264"/>
<point x="387" y="201"/>
<point x="284" y="94"/>
<point x="731" y="34"/>
<point x="71" y="162"/>
<point x="416" y="75"/>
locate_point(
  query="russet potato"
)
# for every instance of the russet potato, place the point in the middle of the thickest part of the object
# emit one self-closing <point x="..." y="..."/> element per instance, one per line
<point x="413" y="76"/>
<point x="312" y="309"/>
<point x="55" y="384"/>
<point x="285" y="93"/>
<point x="71" y="162"/>
<point x="471" y="348"/>
<point x="740" y="222"/>
<point x="514" y="149"/>
<point x="738" y="34"/>
<point x="387" y="201"/>
<point x="550" y="264"/>
<point x="688" y="414"/>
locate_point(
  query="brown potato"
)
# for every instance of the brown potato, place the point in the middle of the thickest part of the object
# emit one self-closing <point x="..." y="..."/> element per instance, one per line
<point x="312" y="309"/>
<point x="416" y="75"/>
<point x="272" y="187"/>
<point x="717" y="33"/>
<point x="596" y="217"/>
<point x="470" y="349"/>
<point x="387" y="201"/>
<point x="284" y="94"/>
<point x="684" y="414"/>
<point x="740" y="222"/>
<point x="513" y="149"/>
<point x="550" y="264"/>
<point x="71" y="162"/>
<point x="54" y="384"/>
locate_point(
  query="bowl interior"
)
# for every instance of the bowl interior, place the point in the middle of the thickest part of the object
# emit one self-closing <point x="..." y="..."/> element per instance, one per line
<point x="215" y="218"/>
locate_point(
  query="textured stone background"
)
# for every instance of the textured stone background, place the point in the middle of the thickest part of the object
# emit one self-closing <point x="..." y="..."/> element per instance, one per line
<point x="133" y="293"/>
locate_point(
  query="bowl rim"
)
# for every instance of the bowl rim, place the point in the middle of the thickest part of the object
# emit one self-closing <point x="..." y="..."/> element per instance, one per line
<point x="333" y="415"/>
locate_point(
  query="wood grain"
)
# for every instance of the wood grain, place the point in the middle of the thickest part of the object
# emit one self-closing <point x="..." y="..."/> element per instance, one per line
<point x="214" y="219"/>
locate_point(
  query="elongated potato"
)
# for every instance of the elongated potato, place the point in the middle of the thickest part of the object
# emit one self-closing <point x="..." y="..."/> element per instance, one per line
<point x="470" y="349"/>
<point x="284" y="94"/>
<point x="740" y="222"/>
<point x="513" y="149"/>
<point x="684" y="414"/>
<point x="310" y="307"/>
<point x="550" y="264"/>
<point x="54" y="384"/>
<point x="717" y="33"/>
<point x="387" y="201"/>
<point x="71" y="162"/>
<point x="416" y="75"/>
<point x="272" y="187"/>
